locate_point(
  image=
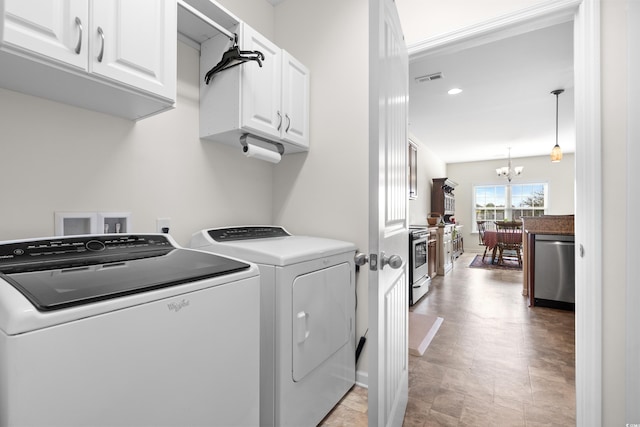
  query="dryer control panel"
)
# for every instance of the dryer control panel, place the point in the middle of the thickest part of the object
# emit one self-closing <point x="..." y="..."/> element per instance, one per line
<point x="230" y="234"/>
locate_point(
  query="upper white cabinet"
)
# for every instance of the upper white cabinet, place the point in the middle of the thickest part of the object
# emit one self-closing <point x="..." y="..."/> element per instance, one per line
<point x="49" y="29"/>
<point x="138" y="42"/>
<point x="271" y="101"/>
<point x="295" y="100"/>
<point x="115" y="56"/>
<point x="261" y="86"/>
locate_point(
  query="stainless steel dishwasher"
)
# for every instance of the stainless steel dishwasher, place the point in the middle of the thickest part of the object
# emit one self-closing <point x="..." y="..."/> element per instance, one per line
<point x="554" y="271"/>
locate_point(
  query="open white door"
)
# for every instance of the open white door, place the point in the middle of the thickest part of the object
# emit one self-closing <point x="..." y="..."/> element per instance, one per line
<point x="388" y="222"/>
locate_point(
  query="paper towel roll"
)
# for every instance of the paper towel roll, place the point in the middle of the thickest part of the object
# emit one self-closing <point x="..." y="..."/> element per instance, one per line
<point x="260" y="153"/>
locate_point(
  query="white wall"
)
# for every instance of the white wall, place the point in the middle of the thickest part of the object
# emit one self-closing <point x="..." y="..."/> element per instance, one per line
<point x="429" y="167"/>
<point x="55" y="157"/>
<point x="559" y="176"/>
<point x="325" y="192"/>
<point x="259" y="14"/>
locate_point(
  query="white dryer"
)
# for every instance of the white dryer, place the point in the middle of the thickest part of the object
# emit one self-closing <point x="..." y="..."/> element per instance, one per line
<point x="307" y="330"/>
<point x="126" y="330"/>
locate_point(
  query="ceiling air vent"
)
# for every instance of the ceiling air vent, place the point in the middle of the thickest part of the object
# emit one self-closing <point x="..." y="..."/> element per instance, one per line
<point x="429" y="77"/>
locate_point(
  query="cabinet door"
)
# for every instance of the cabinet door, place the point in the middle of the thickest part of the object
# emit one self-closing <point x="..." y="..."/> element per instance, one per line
<point x="134" y="42"/>
<point x="261" y="86"/>
<point x="295" y="101"/>
<point x="55" y="29"/>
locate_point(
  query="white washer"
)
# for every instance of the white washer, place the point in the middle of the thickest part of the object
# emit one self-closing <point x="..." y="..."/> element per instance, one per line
<point x="124" y="330"/>
<point x="307" y="294"/>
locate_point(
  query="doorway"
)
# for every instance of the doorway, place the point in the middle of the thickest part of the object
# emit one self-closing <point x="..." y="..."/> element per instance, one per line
<point x="585" y="15"/>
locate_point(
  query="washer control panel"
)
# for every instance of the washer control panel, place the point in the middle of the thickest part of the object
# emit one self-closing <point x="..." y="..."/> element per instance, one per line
<point x="48" y="251"/>
<point x="230" y="234"/>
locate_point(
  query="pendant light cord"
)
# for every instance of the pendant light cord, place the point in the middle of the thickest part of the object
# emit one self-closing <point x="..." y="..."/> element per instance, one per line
<point x="557" y="94"/>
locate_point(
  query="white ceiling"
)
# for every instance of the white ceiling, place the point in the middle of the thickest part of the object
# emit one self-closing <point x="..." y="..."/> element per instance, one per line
<point x="506" y="100"/>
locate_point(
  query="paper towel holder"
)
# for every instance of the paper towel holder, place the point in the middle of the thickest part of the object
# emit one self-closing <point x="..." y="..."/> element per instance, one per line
<point x="243" y="142"/>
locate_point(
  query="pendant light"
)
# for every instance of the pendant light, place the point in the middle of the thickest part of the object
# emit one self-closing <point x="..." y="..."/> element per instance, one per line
<point x="556" y="152"/>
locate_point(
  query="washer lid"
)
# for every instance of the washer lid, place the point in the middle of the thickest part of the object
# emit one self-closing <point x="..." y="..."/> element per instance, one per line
<point x="280" y="251"/>
<point x="66" y="272"/>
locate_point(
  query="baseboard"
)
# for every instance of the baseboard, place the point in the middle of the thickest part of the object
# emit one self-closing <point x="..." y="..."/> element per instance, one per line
<point x="362" y="379"/>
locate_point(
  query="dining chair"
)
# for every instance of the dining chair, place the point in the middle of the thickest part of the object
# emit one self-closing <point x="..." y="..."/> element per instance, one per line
<point x="509" y="234"/>
<point x="482" y="226"/>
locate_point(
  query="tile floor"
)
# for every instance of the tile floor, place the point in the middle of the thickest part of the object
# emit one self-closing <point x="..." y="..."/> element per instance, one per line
<point x="494" y="361"/>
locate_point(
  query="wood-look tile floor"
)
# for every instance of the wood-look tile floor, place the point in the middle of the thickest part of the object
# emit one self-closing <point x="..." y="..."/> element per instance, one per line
<point x="494" y="361"/>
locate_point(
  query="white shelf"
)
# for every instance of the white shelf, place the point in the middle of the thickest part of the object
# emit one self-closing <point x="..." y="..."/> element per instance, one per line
<point x="197" y="30"/>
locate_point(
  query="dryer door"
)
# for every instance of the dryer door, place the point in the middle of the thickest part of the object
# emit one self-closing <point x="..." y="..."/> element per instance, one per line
<point x="320" y="316"/>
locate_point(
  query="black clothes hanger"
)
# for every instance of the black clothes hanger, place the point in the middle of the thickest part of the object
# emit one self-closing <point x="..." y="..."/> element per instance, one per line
<point x="233" y="57"/>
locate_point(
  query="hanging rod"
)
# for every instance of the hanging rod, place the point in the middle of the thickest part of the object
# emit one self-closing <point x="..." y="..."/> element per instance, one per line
<point x="195" y="12"/>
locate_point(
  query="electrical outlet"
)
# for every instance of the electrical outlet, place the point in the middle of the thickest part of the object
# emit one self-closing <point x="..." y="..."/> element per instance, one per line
<point x="163" y="225"/>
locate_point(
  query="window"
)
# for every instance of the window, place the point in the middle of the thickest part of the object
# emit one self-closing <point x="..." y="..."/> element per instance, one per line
<point x="497" y="202"/>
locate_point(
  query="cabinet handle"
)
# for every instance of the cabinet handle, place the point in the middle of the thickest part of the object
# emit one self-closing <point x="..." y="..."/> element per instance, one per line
<point x="288" y="123"/>
<point x="79" y="45"/>
<point x="102" y="46"/>
<point x="280" y="121"/>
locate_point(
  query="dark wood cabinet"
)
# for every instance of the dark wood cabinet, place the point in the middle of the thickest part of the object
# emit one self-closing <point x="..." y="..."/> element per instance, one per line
<point x="443" y="200"/>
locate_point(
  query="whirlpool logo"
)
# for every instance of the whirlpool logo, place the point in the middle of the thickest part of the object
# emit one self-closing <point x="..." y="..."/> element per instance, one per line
<point x="179" y="305"/>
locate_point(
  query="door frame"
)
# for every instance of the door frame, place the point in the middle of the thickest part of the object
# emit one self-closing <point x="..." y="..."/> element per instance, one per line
<point x="586" y="17"/>
<point x="633" y="205"/>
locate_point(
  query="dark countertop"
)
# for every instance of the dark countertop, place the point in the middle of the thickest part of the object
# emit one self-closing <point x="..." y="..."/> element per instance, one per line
<point x="549" y="224"/>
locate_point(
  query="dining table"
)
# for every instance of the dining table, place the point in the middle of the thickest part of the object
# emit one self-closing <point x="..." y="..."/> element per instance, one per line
<point x="491" y="240"/>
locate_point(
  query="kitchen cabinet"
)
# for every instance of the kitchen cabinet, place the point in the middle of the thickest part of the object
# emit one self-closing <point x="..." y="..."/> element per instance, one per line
<point x="117" y="57"/>
<point x="443" y="200"/>
<point x="445" y="249"/>
<point x="270" y="101"/>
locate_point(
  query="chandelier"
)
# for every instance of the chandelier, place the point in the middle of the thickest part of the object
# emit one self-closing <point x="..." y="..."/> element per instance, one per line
<point x="508" y="171"/>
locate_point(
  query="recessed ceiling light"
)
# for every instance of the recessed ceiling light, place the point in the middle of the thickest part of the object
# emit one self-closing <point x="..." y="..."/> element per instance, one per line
<point x="454" y="91"/>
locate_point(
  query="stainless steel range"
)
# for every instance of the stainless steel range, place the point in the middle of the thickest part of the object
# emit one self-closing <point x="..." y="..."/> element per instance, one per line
<point x="418" y="263"/>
